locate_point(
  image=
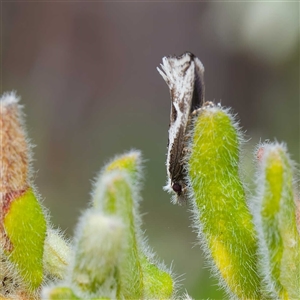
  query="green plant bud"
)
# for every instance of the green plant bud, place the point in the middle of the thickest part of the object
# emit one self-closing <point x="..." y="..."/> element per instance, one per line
<point x="130" y="164"/>
<point x="117" y="200"/>
<point x="117" y="193"/>
<point x="57" y="254"/>
<point x="221" y="215"/>
<point x="26" y="229"/>
<point x="22" y="221"/>
<point x="98" y="253"/>
<point x="275" y="216"/>
<point x="157" y="280"/>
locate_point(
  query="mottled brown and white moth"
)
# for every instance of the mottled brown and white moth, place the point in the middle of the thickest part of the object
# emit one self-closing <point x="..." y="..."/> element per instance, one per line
<point x="185" y="77"/>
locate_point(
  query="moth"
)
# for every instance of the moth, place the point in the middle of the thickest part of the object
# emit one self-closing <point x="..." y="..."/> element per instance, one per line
<point x="184" y="76"/>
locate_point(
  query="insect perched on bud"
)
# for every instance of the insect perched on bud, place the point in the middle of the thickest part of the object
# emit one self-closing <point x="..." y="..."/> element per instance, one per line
<point x="185" y="77"/>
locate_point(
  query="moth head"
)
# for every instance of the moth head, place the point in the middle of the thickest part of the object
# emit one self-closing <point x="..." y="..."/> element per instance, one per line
<point x="177" y="188"/>
<point x="180" y="189"/>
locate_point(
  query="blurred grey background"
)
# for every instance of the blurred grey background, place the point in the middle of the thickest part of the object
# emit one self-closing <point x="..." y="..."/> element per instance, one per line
<point x="86" y="72"/>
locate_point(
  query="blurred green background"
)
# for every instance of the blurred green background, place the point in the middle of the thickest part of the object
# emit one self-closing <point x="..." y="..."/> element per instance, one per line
<point x="86" y="72"/>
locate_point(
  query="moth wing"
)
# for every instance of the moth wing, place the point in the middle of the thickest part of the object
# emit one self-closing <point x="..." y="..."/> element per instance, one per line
<point x="179" y="74"/>
<point x="199" y="87"/>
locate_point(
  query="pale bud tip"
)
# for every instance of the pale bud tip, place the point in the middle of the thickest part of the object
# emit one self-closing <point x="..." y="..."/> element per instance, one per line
<point x="9" y="98"/>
